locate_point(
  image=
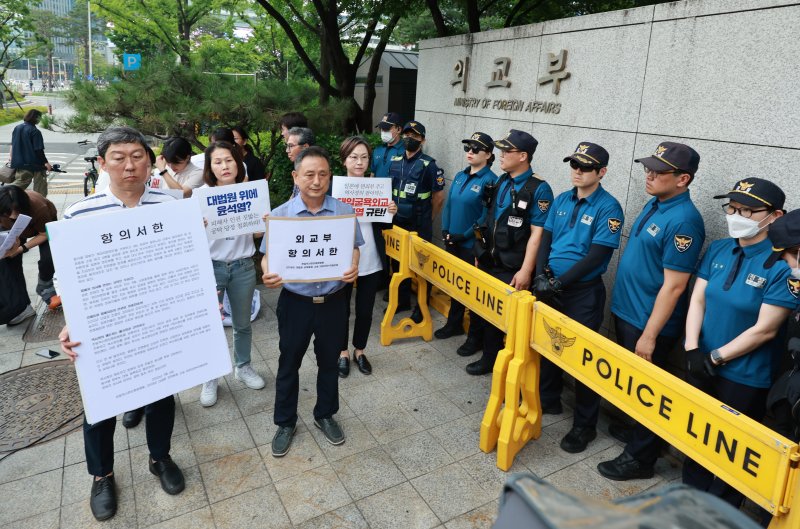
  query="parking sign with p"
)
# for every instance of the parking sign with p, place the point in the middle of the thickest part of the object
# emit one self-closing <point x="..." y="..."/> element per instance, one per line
<point x="131" y="61"/>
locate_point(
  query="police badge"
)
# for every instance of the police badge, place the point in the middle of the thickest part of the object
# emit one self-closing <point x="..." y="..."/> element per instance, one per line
<point x="683" y="242"/>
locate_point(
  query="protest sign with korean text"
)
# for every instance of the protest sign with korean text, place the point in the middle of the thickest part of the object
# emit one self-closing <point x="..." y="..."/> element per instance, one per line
<point x="234" y="209"/>
<point x="370" y="197"/>
<point x="140" y="296"/>
<point x="8" y="238"/>
<point x="308" y="249"/>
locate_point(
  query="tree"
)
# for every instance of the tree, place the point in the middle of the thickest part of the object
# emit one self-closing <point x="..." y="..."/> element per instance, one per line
<point x="75" y="30"/>
<point x="16" y="25"/>
<point x="168" y="23"/>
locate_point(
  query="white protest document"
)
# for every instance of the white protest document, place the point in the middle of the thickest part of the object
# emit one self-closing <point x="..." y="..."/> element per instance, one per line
<point x="139" y="293"/>
<point x="308" y="249"/>
<point x="234" y="209"/>
<point x="370" y="197"/>
<point x="11" y="235"/>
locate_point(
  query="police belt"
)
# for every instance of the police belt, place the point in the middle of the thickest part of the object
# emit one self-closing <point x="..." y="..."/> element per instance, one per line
<point x="316" y="299"/>
<point x="402" y="194"/>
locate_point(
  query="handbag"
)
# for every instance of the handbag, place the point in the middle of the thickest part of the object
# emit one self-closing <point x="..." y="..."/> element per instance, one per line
<point x="7" y="173"/>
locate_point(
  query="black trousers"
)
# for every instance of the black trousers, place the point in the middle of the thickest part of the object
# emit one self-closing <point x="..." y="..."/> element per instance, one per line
<point x="298" y="321"/>
<point x="492" y="336"/>
<point x="745" y="399"/>
<point x="583" y="302"/>
<point x="365" y="301"/>
<point x="98" y="438"/>
<point x="13" y="290"/>
<point x="404" y="290"/>
<point x="644" y="446"/>
<point x="455" y="318"/>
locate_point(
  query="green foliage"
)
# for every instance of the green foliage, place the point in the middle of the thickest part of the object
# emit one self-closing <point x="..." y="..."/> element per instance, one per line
<point x="15" y="114"/>
<point x="18" y="31"/>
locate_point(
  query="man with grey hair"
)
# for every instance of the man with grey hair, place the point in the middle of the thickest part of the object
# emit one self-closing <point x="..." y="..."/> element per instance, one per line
<point x="123" y="153"/>
<point x="298" y="139"/>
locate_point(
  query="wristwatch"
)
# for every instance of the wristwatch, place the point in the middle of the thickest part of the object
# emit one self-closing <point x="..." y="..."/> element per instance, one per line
<point x="25" y="249"/>
<point x="716" y="358"/>
<point x="161" y="173"/>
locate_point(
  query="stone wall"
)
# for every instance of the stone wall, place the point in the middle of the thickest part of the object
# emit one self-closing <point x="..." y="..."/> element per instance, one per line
<point x="719" y="75"/>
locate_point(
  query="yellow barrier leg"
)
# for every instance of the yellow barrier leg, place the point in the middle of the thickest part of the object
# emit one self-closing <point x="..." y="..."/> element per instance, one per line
<point x="521" y="422"/>
<point x="490" y="425"/>
<point x="791" y="518"/>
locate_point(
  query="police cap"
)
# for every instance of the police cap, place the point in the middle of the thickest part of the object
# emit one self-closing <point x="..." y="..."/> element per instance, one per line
<point x="671" y="156"/>
<point x="517" y="140"/>
<point x="482" y="140"/>
<point x="784" y="233"/>
<point x="756" y="192"/>
<point x="415" y="126"/>
<point x="392" y="119"/>
<point x="589" y="154"/>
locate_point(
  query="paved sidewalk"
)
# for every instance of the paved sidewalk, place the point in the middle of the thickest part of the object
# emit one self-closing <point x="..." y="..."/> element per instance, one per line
<point x="410" y="460"/>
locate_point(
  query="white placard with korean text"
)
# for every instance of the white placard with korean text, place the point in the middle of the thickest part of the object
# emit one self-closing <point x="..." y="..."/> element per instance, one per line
<point x="370" y="197"/>
<point x="139" y="293"/>
<point x="308" y="249"/>
<point x="13" y="234"/>
<point x="234" y="209"/>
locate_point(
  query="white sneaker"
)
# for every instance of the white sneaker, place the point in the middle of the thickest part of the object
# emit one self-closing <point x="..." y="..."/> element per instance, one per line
<point x="208" y="397"/>
<point x="248" y="375"/>
<point x="22" y="316"/>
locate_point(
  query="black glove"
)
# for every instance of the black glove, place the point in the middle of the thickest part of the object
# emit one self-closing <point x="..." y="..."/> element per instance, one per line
<point x="699" y="364"/>
<point x="794" y="350"/>
<point x="457" y="237"/>
<point x="445" y="233"/>
<point x="546" y="288"/>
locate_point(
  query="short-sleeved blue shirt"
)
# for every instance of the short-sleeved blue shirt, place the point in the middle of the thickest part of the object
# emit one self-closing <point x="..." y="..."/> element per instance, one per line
<point x="464" y="206"/>
<point x="729" y="312"/>
<point x="576" y="224"/>
<point x="382" y="158"/>
<point x="670" y="237"/>
<point x="542" y="197"/>
<point x="295" y="207"/>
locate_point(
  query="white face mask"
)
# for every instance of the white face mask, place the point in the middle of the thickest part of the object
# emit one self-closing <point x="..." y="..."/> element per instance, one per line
<point x="796" y="270"/>
<point x="742" y="228"/>
<point x="386" y="136"/>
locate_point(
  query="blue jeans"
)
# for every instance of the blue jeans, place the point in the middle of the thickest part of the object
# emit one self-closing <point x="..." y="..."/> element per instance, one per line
<point x="238" y="279"/>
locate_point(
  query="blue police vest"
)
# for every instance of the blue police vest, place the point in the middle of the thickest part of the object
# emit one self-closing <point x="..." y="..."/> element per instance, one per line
<point x="412" y="193"/>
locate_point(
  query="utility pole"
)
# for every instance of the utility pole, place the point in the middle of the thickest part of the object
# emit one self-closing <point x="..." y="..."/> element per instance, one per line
<point x="89" y="43"/>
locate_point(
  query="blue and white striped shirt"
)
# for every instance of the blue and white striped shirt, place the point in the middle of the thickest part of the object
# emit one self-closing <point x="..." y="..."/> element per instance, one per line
<point x="106" y="202"/>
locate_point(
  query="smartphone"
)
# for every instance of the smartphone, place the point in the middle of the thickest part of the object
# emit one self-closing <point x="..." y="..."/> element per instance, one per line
<point x="47" y="353"/>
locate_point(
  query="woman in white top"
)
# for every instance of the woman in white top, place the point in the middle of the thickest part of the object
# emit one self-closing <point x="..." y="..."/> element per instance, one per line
<point x="175" y="167"/>
<point x="233" y="269"/>
<point x="355" y="155"/>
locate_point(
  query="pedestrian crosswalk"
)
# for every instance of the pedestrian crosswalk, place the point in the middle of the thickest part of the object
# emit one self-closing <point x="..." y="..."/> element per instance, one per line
<point x="72" y="180"/>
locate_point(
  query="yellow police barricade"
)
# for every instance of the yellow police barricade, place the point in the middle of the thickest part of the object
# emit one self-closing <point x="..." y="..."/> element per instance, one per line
<point x="397" y="248"/>
<point x="747" y="455"/>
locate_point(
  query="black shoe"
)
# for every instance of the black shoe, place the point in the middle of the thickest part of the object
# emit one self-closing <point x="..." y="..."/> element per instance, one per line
<point x="330" y="428"/>
<point x="578" y="439"/>
<point x="416" y="316"/>
<point x="480" y="367"/>
<point x="621" y="432"/>
<point x="449" y="330"/>
<point x="103" y="499"/>
<point x="625" y="467"/>
<point x="386" y="296"/>
<point x="552" y="409"/>
<point x="131" y="419"/>
<point x="344" y="366"/>
<point x="363" y="364"/>
<point x="469" y="348"/>
<point x="282" y="440"/>
<point x="170" y="475"/>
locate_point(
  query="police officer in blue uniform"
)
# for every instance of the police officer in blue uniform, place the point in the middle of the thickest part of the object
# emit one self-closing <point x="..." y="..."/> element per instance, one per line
<point x="463" y="210"/>
<point x="649" y="301"/>
<point x="509" y="237"/>
<point x="580" y="236"/>
<point x="741" y="300"/>
<point x="417" y="184"/>
<point x="391" y="127"/>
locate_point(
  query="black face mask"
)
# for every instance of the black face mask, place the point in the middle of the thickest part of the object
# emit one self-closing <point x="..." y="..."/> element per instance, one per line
<point x="411" y="144"/>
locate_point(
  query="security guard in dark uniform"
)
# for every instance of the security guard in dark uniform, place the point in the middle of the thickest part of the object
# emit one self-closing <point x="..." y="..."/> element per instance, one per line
<point x="391" y="127"/>
<point x="648" y="301"/>
<point x="739" y="304"/>
<point x="417" y="184"/>
<point x="509" y="238"/>
<point x="463" y="209"/>
<point x="580" y="236"/>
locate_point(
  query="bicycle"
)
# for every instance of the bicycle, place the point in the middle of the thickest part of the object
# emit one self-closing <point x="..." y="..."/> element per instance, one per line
<point x="91" y="174"/>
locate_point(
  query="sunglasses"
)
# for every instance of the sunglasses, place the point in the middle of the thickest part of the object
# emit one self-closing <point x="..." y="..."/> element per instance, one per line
<point x="584" y="168"/>
<point x="473" y="149"/>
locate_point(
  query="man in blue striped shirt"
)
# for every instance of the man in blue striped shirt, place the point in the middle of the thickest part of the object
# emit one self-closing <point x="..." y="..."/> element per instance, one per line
<point x="124" y="154"/>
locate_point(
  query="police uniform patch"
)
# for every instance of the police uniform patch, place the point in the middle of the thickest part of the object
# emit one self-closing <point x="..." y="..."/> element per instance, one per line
<point x="794" y="286"/>
<point x="475" y="188"/>
<point x="544" y="205"/>
<point x="440" y="180"/>
<point x="614" y="225"/>
<point x="683" y="242"/>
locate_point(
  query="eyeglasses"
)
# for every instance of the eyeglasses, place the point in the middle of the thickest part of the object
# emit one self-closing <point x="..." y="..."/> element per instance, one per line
<point x="651" y="173"/>
<point x="290" y="146"/>
<point x="582" y="168"/>
<point x="744" y="211"/>
<point x="473" y="149"/>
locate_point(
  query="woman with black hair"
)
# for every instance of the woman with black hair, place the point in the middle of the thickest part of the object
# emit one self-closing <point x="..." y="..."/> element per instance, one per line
<point x="255" y="169"/>
<point x="15" y="304"/>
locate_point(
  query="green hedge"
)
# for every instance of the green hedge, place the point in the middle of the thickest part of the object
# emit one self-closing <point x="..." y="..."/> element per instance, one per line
<point x="16" y="114"/>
